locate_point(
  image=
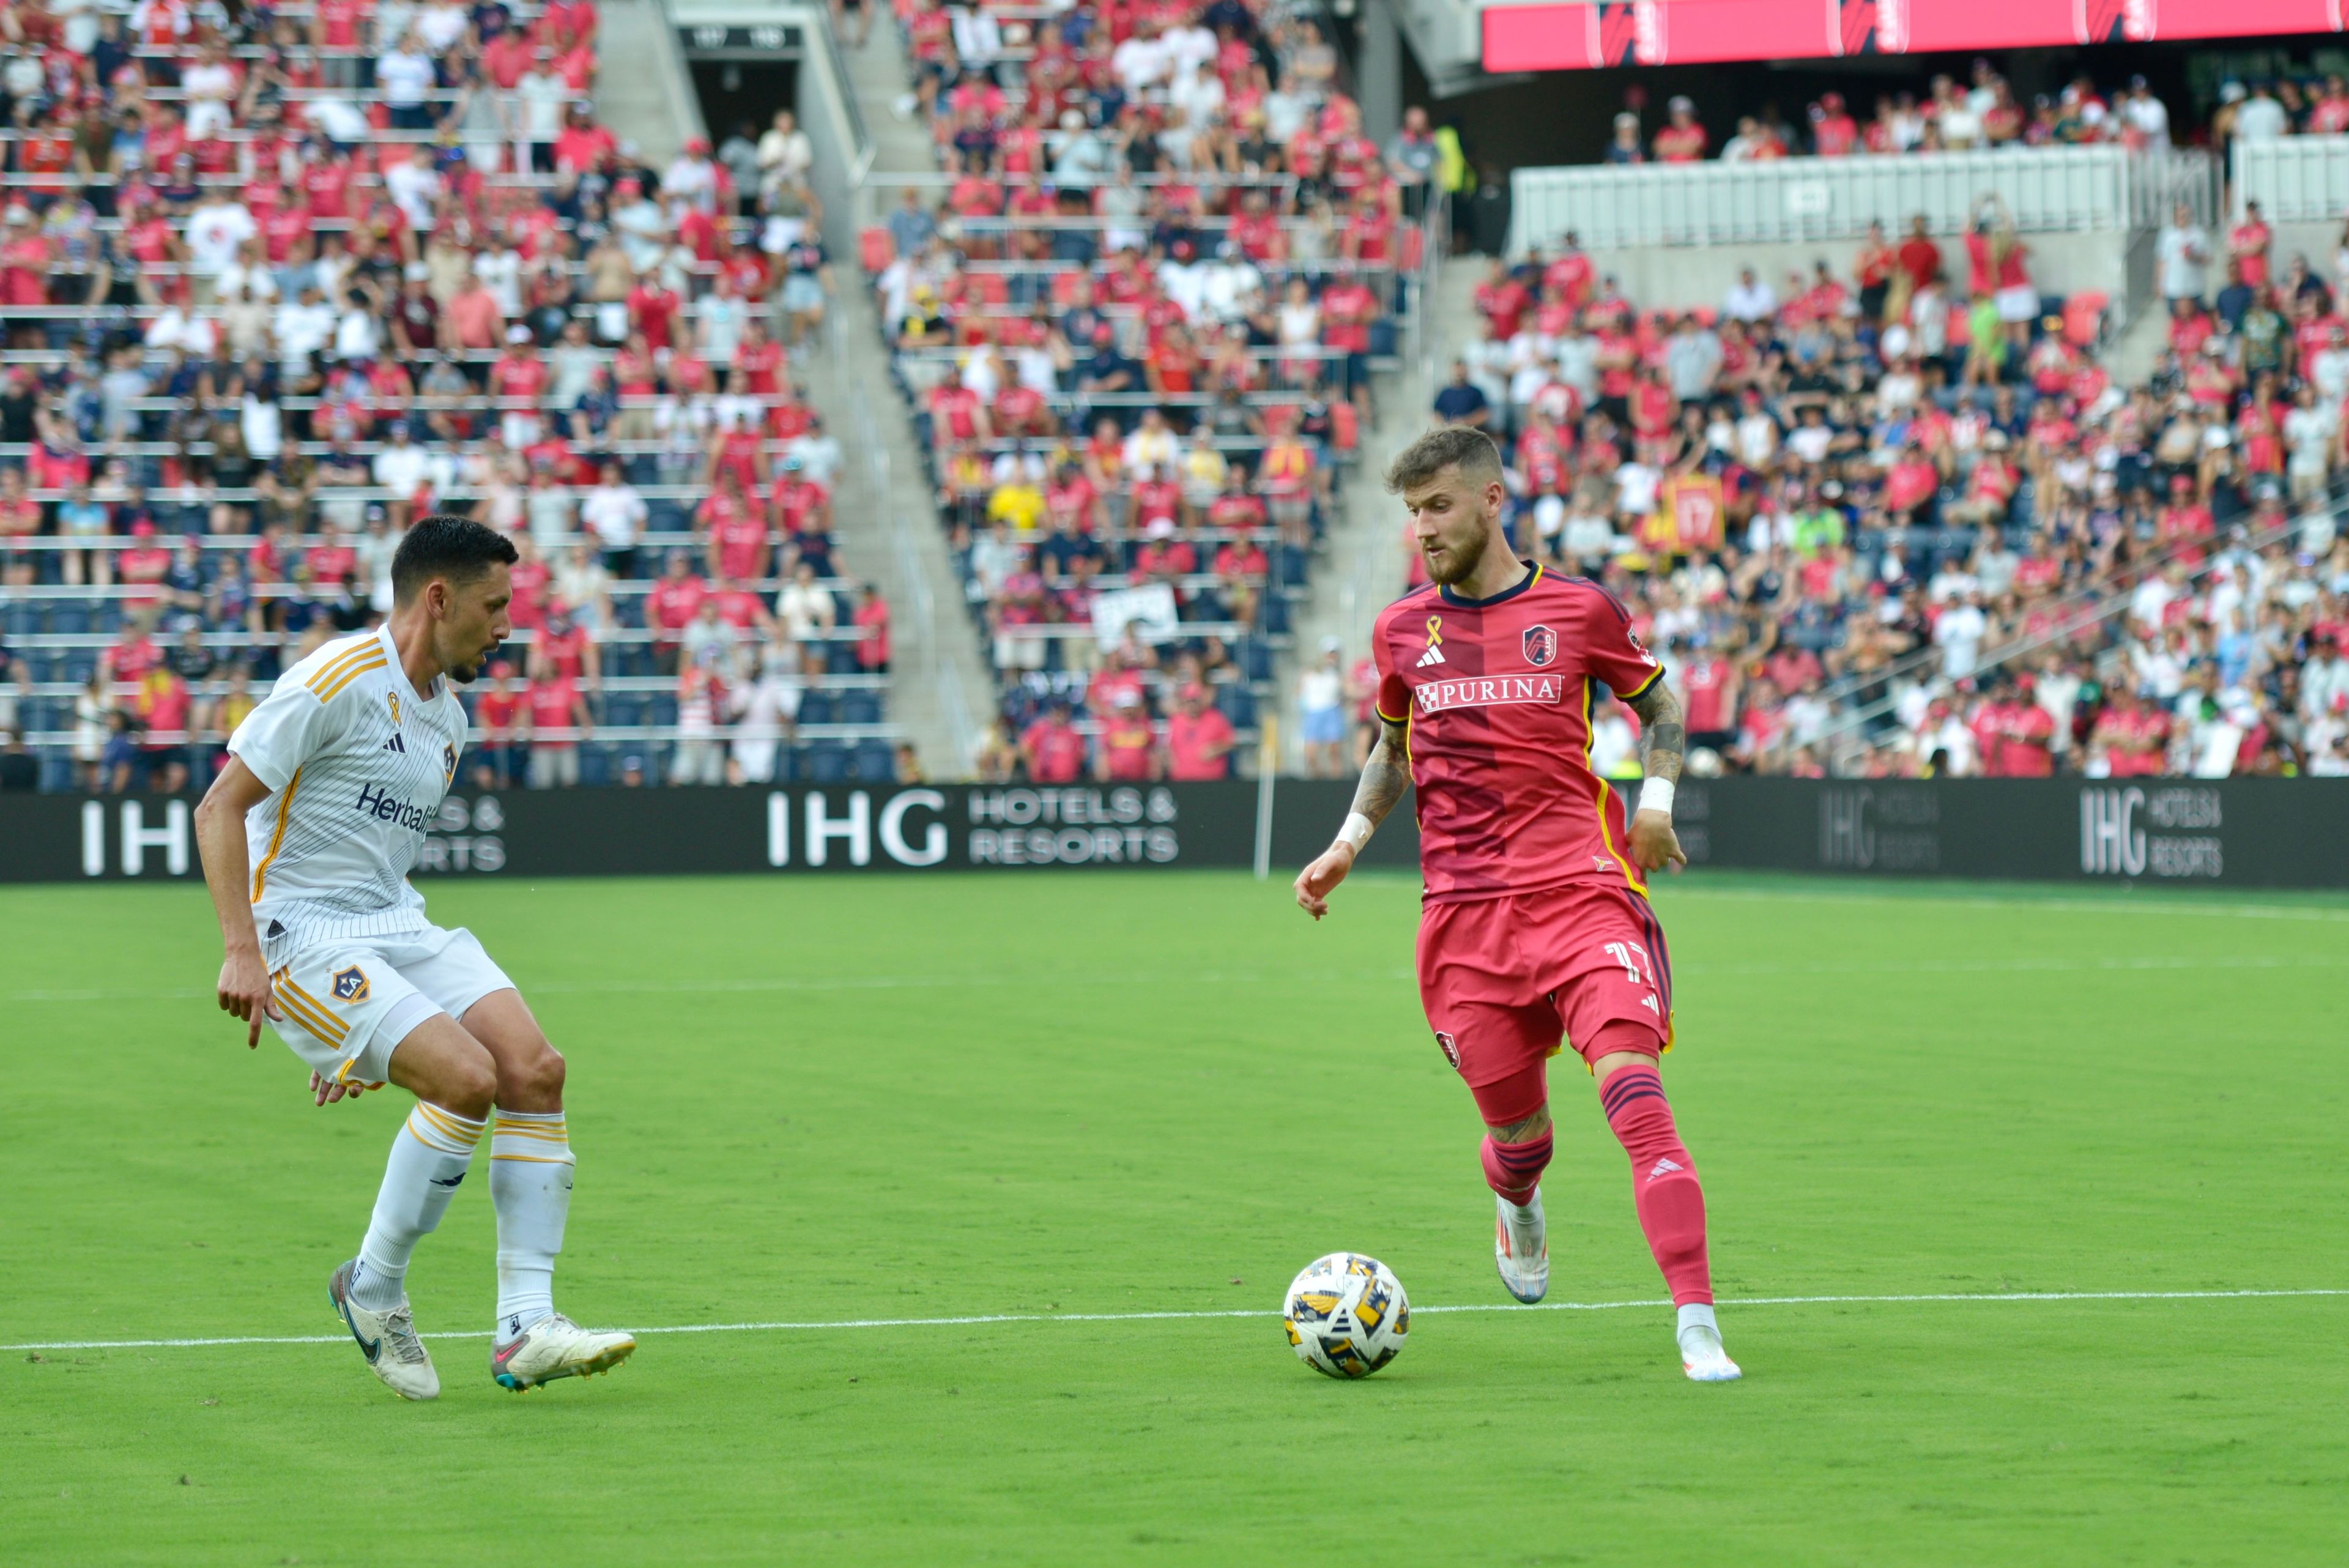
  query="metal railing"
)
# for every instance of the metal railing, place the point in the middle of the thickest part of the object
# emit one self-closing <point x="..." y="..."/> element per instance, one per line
<point x="2048" y="190"/>
<point x="2296" y="180"/>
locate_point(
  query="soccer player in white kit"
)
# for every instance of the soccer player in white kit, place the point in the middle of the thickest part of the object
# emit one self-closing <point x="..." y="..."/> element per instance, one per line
<point x="307" y="836"/>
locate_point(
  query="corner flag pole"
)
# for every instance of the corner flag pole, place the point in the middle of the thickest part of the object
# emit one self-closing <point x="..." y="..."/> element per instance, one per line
<point x="1267" y="767"/>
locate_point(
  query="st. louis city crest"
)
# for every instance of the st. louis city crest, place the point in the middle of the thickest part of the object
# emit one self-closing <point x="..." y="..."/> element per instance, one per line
<point x="1541" y="646"/>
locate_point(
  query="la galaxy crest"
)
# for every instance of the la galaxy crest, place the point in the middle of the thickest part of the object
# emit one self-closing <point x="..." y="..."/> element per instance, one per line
<point x="351" y="985"/>
<point x="448" y="765"/>
<point x="1541" y="646"/>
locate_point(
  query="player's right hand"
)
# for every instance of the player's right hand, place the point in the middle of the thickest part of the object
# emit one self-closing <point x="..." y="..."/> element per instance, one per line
<point x="244" y="993"/>
<point x="1318" y="880"/>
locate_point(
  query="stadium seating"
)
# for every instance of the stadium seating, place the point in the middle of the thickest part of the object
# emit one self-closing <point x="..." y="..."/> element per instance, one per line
<point x="1881" y="532"/>
<point x="205" y="461"/>
<point x="1136" y="318"/>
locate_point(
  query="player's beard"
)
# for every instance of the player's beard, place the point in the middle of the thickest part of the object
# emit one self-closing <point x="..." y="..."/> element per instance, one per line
<point x="1458" y="560"/>
<point x="465" y="674"/>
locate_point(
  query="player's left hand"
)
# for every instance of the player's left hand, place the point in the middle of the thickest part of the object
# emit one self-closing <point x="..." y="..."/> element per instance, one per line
<point x="326" y="1091"/>
<point x="1655" y="845"/>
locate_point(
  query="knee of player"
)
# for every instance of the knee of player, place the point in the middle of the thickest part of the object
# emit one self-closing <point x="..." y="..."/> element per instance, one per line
<point x="471" y="1086"/>
<point x="534" y="1081"/>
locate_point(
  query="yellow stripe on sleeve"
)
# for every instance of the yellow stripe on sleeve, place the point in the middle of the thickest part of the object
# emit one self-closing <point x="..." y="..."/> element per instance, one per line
<point x="325" y="674"/>
<point x="334" y="689"/>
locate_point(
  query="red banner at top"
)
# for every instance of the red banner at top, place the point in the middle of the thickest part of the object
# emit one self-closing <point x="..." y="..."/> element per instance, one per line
<point x="1695" y="32"/>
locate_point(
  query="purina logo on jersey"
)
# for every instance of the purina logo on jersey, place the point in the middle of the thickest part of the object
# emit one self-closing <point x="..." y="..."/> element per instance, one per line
<point x="1541" y="646"/>
<point x="1487" y="691"/>
<point x="351" y="984"/>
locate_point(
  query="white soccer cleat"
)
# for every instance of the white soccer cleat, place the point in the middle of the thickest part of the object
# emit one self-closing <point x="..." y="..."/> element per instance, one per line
<point x="1521" y="1247"/>
<point x="387" y="1340"/>
<point x="1703" y="1358"/>
<point x="555" y="1347"/>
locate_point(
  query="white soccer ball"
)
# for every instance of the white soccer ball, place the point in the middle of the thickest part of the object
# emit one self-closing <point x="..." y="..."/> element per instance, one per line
<point x="1346" y="1314"/>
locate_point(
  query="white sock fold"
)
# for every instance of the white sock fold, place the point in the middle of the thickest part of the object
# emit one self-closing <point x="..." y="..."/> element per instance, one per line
<point x="1698" y="1315"/>
<point x="530" y="1182"/>
<point x="429" y="1159"/>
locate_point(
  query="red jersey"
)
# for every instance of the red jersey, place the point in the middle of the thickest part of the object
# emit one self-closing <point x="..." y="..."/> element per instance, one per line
<point x="1498" y="694"/>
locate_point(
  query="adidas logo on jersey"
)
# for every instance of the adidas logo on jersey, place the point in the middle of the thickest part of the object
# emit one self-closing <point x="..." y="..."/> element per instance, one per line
<point x="395" y="744"/>
<point x="1665" y="1166"/>
<point x="1433" y="656"/>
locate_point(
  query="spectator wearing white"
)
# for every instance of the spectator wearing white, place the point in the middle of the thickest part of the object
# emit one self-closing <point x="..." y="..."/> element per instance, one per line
<point x="210" y="88"/>
<point x="404" y="74"/>
<point x="303" y="327"/>
<point x="217" y="226"/>
<point x="616" y="514"/>
<point x="785" y="153"/>
<point x="1749" y="299"/>
<point x="2259" y="117"/>
<point x="1959" y="635"/>
<point x="540" y="98"/>
<point x="1321" y="712"/>
<point x="2183" y="252"/>
<point x="358" y="331"/>
<point x="440" y="23"/>
<point x="2146" y="115"/>
<point x="1143" y="63"/>
<point x="414" y="185"/>
<point x="1692" y="359"/>
<point x="764" y="710"/>
<point x="804" y="605"/>
<point x="719" y="317"/>
<point x="691" y="178"/>
<point x="499" y="265"/>
<point x="2312" y="432"/>
<point x="401" y="467"/>
<point x="549" y="511"/>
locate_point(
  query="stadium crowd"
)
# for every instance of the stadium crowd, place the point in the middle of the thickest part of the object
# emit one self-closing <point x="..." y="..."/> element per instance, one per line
<point x="1137" y="316"/>
<point x="1901" y="520"/>
<point x="278" y="281"/>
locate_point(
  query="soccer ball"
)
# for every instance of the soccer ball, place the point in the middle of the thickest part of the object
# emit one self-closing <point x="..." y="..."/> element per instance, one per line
<point x="1346" y="1314"/>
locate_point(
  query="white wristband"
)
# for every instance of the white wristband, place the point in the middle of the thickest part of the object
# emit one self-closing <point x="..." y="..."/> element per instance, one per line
<point x="1656" y="794"/>
<point x="1357" y="831"/>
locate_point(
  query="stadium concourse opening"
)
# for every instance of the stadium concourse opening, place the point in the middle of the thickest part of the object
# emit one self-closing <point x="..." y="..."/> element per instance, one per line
<point x="740" y="96"/>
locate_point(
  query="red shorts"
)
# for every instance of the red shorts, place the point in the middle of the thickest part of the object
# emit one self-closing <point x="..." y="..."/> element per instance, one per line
<point x="1503" y="978"/>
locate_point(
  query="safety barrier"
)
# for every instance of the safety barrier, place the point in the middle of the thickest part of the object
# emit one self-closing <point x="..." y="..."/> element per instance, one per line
<point x="2047" y="189"/>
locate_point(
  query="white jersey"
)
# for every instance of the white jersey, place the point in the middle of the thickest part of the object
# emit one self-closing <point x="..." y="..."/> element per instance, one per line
<point x="356" y="763"/>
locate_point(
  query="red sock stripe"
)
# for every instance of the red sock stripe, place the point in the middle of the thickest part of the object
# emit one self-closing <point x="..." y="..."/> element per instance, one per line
<point x="1517" y="1158"/>
<point x="1628" y="1084"/>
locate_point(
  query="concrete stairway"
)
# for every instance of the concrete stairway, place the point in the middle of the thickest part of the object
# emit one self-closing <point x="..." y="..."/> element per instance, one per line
<point x="941" y="694"/>
<point x="1361" y="570"/>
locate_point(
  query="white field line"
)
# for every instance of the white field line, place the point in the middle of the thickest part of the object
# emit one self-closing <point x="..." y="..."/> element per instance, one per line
<point x="2053" y="965"/>
<point x="978" y="1320"/>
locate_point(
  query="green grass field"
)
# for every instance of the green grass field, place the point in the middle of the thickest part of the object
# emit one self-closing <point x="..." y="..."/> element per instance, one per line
<point x="797" y="1101"/>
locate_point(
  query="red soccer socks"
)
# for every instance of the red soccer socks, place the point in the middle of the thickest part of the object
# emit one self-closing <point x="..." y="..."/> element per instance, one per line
<point x="1664" y="1186"/>
<point x="1514" y="1169"/>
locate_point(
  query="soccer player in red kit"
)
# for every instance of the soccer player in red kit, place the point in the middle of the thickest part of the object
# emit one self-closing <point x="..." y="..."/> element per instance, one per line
<point x="1534" y="922"/>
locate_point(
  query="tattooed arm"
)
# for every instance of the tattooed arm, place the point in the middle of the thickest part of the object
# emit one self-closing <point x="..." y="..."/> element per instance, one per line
<point x="1384" y="778"/>
<point x="1663" y="741"/>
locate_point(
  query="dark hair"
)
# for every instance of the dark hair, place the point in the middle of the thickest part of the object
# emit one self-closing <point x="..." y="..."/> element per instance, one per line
<point x="456" y="548"/>
<point x="1478" y="459"/>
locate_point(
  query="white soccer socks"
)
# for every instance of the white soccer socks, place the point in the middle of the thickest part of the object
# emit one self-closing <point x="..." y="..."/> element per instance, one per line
<point x="429" y="1157"/>
<point x="530" y="1183"/>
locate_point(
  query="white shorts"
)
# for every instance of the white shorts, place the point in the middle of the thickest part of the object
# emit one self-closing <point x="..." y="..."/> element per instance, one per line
<point x="346" y="1003"/>
<point x="2020" y="303"/>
